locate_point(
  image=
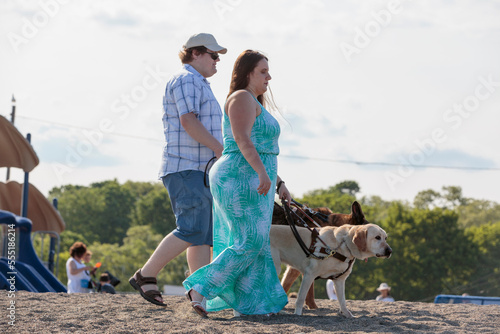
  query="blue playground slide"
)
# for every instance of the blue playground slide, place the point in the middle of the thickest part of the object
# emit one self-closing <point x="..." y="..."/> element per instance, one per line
<point x="30" y="273"/>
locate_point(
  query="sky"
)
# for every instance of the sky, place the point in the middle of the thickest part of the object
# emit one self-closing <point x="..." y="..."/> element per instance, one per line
<point x="399" y="96"/>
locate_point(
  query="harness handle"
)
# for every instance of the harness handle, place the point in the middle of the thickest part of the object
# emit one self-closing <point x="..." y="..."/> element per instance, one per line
<point x="322" y="216"/>
<point x="307" y="216"/>
<point x="313" y="231"/>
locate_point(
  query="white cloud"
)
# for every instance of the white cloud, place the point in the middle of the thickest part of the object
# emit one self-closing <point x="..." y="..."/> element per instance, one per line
<point x="89" y="61"/>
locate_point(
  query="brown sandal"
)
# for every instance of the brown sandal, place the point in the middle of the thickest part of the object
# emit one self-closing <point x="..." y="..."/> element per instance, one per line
<point x="199" y="307"/>
<point x="137" y="281"/>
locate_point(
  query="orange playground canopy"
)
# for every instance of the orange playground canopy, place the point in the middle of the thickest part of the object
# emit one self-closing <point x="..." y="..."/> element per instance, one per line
<point x="16" y="151"/>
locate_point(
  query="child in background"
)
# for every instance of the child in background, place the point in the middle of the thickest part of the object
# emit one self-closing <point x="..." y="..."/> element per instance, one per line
<point x="105" y="284"/>
<point x="384" y="293"/>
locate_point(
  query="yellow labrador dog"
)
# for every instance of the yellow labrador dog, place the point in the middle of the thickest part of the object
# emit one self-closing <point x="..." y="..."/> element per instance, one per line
<point x="350" y="241"/>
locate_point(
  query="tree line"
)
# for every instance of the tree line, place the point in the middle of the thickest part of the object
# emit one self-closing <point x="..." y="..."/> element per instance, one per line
<point x="442" y="242"/>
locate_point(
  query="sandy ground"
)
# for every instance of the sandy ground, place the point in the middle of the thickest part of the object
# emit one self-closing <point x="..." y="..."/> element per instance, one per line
<point x="129" y="313"/>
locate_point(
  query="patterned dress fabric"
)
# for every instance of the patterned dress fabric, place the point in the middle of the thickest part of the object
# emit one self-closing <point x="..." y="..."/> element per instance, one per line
<point x="242" y="275"/>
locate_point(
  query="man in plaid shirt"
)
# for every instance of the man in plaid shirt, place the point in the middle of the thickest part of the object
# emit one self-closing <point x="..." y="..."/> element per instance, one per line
<point x="192" y="120"/>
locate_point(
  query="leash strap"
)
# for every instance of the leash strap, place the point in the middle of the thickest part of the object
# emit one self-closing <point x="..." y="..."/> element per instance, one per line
<point x="329" y="252"/>
<point x="205" y="175"/>
<point x="289" y="219"/>
<point x="321" y="216"/>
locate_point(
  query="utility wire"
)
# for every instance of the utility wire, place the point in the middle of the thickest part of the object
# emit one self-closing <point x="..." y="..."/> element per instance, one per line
<point x="387" y="163"/>
<point x="86" y="128"/>
<point x="359" y="163"/>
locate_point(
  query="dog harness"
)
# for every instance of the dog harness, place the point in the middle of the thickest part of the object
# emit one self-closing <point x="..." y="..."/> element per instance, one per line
<point x="313" y="248"/>
<point x="329" y="253"/>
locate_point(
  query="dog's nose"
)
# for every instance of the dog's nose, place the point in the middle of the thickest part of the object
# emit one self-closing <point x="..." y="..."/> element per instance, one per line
<point x="388" y="251"/>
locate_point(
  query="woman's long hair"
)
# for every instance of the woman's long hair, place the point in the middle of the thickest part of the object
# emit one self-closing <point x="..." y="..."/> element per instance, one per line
<point x="245" y="64"/>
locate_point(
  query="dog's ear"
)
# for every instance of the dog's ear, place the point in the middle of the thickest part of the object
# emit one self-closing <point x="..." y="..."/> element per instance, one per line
<point x="357" y="213"/>
<point x="360" y="238"/>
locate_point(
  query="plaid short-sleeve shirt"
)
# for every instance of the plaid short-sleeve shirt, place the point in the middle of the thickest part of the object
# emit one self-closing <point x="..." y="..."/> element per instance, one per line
<point x="188" y="91"/>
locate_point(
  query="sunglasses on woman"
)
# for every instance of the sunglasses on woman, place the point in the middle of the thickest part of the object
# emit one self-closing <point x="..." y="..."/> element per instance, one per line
<point x="214" y="55"/>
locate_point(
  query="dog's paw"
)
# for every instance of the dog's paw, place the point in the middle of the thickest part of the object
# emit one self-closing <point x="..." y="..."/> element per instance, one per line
<point x="346" y="314"/>
<point x="311" y="306"/>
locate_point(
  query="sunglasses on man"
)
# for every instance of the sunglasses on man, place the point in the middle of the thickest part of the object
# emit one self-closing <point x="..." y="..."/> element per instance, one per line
<point x="214" y="55"/>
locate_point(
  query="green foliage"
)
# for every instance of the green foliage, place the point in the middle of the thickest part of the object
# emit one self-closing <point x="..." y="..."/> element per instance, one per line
<point x="426" y="198"/>
<point x="104" y="211"/>
<point x="444" y="243"/>
<point x="472" y="212"/>
<point x="62" y="275"/>
<point x="122" y="261"/>
<point x="375" y="209"/>
<point x="478" y="212"/>
<point x="68" y="238"/>
<point x="336" y="198"/>
<point x="99" y="212"/>
<point x="79" y="208"/>
<point x="450" y="198"/>
<point x="486" y="278"/>
<point x="153" y="208"/>
<point x="432" y="249"/>
<point x="432" y="252"/>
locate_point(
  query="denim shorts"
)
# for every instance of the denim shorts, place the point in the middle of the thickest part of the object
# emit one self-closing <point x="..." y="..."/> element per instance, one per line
<point x="192" y="205"/>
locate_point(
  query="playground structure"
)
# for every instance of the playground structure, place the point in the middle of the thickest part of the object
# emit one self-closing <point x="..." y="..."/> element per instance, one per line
<point x="20" y="266"/>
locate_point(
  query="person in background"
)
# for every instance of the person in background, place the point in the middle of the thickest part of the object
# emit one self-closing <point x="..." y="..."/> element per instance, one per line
<point x="384" y="296"/>
<point x="243" y="181"/>
<point x="192" y="120"/>
<point x="330" y="290"/>
<point x="105" y="284"/>
<point x="77" y="271"/>
<point x="86" y="259"/>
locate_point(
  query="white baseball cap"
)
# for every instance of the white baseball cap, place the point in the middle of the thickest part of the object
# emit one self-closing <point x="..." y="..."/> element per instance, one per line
<point x="384" y="286"/>
<point x="206" y="40"/>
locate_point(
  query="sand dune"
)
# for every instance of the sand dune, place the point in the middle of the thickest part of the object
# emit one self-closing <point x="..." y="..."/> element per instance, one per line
<point x="129" y="313"/>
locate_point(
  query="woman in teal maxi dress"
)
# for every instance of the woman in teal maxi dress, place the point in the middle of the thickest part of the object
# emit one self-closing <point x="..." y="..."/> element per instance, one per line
<point x="242" y="275"/>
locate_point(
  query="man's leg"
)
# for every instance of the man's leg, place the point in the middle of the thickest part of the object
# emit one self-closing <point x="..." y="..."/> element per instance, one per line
<point x="197" y="257"/>
<point x="190" y="201"/>
<point x="169" y="248"/>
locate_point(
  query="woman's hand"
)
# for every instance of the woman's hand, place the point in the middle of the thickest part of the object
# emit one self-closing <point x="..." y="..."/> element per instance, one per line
<point x="264" y="184"/>
<point x="283" y="193"/>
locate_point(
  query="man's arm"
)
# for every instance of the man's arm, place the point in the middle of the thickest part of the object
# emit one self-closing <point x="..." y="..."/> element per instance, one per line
<point x="198" y="132"/>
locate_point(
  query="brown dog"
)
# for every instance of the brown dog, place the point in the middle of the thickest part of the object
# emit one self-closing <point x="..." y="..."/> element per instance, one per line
<point x="351" y="241"/>
<point x="356" y="217"/>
